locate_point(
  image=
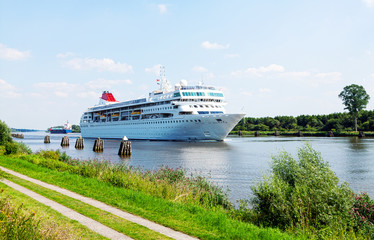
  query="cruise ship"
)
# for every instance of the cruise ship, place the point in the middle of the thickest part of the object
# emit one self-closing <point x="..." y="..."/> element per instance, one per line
<point x="181" y="113"/>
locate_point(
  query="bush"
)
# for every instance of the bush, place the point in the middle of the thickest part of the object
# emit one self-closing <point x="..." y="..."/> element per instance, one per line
<point x="303" y="193"/>
<point x="4" y="133"/>
<point x="23" y="148"/>
<point x="11" y="148"/>
<point x="363" y="213"/>
<point x="55" y="155"/>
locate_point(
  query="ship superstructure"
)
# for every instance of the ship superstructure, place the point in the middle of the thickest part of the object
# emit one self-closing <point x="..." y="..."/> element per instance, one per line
<point x="184" y="113"/>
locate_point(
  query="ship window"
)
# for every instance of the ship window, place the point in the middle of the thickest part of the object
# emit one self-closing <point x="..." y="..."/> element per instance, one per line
<point x="195" y="106"/>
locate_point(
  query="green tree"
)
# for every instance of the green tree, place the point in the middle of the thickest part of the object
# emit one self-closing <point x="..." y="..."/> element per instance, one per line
<point x="76" y="128"/>
<point x="4" y="133"/>
<point x="355" y="99"/>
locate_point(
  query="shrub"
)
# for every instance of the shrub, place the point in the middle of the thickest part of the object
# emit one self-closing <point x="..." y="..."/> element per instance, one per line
<point x="55" y="155"/>
<point x="303" y="193"/>
<point x="23" y="148"/>
<point x="11" y="148"/>
<point x="363" y="213"/>
<point x="4" y="133"/>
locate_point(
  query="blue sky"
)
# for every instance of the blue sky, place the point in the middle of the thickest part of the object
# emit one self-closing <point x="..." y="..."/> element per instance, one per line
<point x="269" y="57"/>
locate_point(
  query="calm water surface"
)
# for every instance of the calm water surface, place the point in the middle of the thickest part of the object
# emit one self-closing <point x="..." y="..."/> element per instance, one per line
<point x="237" y="163"/>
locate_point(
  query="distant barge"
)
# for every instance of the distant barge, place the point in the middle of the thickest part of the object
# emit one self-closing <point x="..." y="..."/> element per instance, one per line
<point x="66" y="129"/>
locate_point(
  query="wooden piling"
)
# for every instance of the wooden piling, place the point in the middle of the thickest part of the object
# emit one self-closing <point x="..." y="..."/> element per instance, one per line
<point x="240" y="133"/>
<point x="330" y="134"/>
<point x="17" y="135"/>
<point x="276" y="133"/>
<point x="79" y="143"/>
<point x="125" y="148"/>
<point x="361" y="134"/>
<point x="300" y="134"/>
<point x="47" y="139"/>
<point x="98" y="145"/>
<point x="65" y="141"/>
<point x="257" y="134"/>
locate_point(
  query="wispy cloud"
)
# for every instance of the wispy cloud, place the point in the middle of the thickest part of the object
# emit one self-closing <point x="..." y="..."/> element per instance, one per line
<point x="199" y="69"/>
<point x="214" y="46"/>
<point x="105" y="84"/>
<point x="12" y="53"/>
<point x="369" y="3"/>
<point x="265" y="90"/>
<point x="65" y="55"/>
<point x="8" y="90"/>
<point x="162" y="8"/>
<point x="260" y="70"/>
<point x="154" y="69"/>
<point x="232" y="55"/>
<point x="105" y="64"/>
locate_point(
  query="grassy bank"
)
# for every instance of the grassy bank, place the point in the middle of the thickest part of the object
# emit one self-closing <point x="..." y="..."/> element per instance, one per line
<point x="22" y="217"/>
<point x="206" y="220"/>
<point x="305" y="133"/>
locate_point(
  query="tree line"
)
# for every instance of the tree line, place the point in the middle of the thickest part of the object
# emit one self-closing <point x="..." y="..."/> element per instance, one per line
<point x="354" y="98"/>
<point x="329" y="122"/>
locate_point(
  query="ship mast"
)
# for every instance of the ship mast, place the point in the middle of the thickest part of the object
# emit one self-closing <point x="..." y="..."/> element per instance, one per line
<point x="164" y="85"/>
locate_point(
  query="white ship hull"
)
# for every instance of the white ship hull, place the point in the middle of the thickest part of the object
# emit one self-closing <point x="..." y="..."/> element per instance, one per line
<point x="181" y="128"/>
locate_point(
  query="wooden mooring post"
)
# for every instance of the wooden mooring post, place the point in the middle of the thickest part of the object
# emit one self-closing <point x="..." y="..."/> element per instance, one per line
<point x="330" y="134"/>
<point x="300" y="134"/>
<point x="17" y="135"/>
<point x="125" y="147"/>
<point x="257" y="134"/>
<point x="361" y="134"/>
<point x="79" y="143"/>
<point x="98" y="145"/>
<point x="65" y="141"/>
<point x="276" y="133"/>
<point x="47" y="139"/>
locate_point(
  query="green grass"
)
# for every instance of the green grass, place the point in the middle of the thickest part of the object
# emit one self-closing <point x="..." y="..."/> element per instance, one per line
<point x="192" y="219"/>
<point x="52" y="225"/>
<point x="121" y="225"/>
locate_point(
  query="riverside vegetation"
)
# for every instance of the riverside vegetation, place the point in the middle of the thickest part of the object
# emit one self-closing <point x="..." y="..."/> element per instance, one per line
<point x="316" y="125"/>
<point x="298" y="198"/>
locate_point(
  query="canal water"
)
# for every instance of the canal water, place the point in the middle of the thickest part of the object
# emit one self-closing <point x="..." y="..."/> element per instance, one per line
<point x="236" y="163"/>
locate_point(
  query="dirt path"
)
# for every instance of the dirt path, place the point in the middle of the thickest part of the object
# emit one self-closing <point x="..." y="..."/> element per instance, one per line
<point x="125" y="215"/>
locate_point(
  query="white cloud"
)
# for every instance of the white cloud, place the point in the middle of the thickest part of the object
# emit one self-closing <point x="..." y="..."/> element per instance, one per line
<point x="5" y="85"/>
<point x="209" y="45"/>
<point x="61" y="86"/>
<point x="65" y="55"/>
<point x="232" y="55"/>
<point x="155" y="69"/>
<point x="162" y="8"/>
<point x="265" y="90"/>
<point x="106" y="84"/>
<point x="295" y="74"/>
<point x="61" y="94"/>
<point x="260" y="71"/>
<point x="7" y="90"/>
<point x="199" y="69"/>
<point x="270" y="68"/>
<point x="330" y="77"/>
<point x="12" y="53"/>
<point x="105" y="64"/>
<point x="245" y="93"/>
<point x="89" y="89"/>
<point x="369" y="3"/>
